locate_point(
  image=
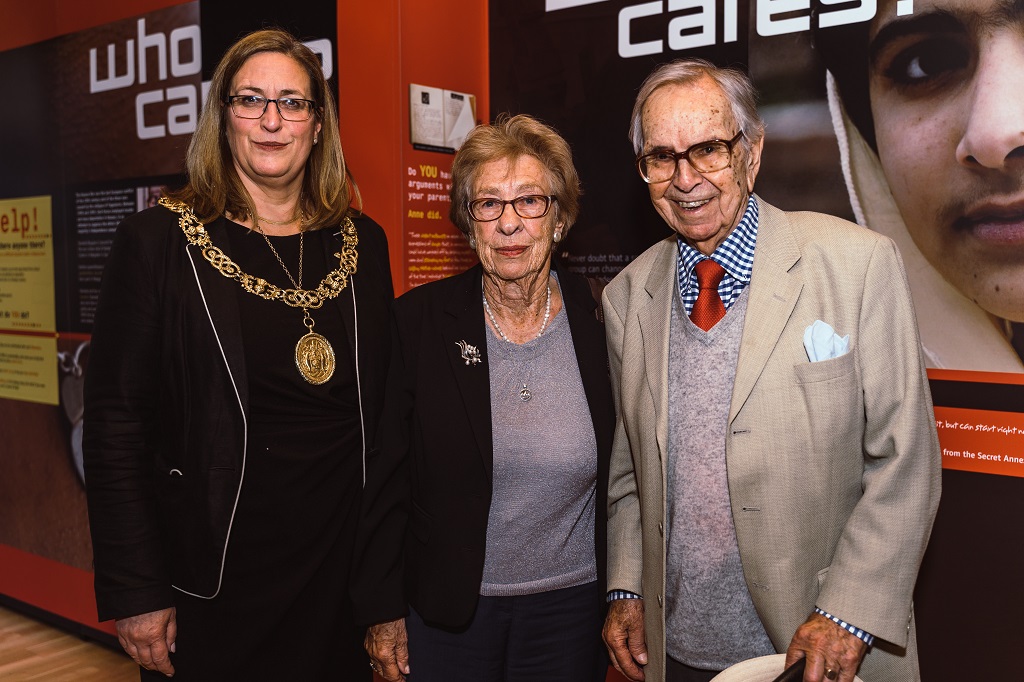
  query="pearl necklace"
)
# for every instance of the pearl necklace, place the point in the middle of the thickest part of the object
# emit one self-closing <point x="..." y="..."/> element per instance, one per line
<point x="524" y="390"/>
<point x="497" y="328"/>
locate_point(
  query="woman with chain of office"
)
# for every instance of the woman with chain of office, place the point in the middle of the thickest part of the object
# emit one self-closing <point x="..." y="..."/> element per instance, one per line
<point x="234" y="386"/>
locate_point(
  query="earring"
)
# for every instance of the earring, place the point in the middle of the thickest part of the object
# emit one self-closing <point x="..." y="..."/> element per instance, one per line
<point x="314" y="139"/>
<point x="557" y="236"/>
<point x="472" y="243"/>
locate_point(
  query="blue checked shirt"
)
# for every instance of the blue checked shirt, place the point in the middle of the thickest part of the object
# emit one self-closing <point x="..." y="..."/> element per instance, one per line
<point x="736" y="256"/>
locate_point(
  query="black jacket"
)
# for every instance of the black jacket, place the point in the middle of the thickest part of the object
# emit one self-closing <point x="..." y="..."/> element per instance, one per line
<point x="166" y="405"/>
<point x="423" y="532"/>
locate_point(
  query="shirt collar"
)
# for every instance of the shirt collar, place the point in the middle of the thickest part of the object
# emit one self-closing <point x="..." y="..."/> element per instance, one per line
<point x="735" y="254"/>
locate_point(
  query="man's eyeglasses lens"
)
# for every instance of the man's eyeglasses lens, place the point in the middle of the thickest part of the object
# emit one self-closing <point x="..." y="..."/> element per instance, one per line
<point x="526" y="206"/>
<point x="253" y="106"/>
<point x="705" y="157"/>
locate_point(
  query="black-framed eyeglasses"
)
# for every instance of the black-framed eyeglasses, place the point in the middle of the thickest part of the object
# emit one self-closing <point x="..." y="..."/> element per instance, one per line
<point x="526" y="206"/>
<point x="705" y="157"/>
<point x="254" y="106"/>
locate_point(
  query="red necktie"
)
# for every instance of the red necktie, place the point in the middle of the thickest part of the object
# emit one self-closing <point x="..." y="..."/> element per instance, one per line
<point x="708" y="309"/>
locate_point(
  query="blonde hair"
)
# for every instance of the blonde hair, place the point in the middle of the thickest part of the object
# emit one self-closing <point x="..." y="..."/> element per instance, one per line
<point x="214" y="187"/>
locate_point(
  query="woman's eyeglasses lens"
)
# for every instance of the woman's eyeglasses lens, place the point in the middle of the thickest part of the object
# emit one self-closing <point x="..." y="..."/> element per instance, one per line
<point x="527" y="206"/>
<point x="254" y="106"/>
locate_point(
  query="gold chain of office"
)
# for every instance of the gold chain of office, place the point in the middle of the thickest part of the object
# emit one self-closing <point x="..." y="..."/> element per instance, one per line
<point x="329" y="287"/>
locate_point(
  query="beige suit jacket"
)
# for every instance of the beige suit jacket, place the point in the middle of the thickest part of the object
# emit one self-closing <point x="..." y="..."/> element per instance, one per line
<point x="833" y="466"/>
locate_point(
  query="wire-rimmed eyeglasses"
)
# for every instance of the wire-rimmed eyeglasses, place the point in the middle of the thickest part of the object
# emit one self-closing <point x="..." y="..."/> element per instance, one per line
<point x="254" y="106"/>
<point x="705" y="157"/>
<point x="526" y="206"/>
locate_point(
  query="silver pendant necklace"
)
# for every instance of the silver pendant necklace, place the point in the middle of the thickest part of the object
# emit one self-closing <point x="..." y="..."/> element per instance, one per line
<point x="524" y="390"/>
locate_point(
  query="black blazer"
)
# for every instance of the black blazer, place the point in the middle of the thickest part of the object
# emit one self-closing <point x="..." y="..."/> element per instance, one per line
<point x="167" y="400"/>
<point x="423" y="531"/>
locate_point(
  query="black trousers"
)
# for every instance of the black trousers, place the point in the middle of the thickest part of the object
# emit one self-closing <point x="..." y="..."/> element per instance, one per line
<point x="546" y="637"/>
<point x="680" y="672"/>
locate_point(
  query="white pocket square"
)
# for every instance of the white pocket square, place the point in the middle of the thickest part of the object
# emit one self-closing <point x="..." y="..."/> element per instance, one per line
<point x="822" y="343"/>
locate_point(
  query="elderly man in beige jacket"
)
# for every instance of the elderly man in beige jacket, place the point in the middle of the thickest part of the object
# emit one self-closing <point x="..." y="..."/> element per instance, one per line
<point x="776" y="468"/>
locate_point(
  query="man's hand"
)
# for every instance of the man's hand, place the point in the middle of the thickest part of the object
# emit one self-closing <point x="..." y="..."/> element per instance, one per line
<point x="388" y="646"/>
<point x="827" y="647"/>
<point x="149" y="639"/>
<point x="624" y="636"/>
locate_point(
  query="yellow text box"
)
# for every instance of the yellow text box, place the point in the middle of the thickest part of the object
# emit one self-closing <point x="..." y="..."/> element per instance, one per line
<point x="26" y="265"/>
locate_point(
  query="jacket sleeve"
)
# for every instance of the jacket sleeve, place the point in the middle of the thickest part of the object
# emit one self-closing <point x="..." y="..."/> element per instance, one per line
<point x="625" y="551"/>
<point x="120" y="427"/>
<point x="378" y="571"/>
<point x="870" y="582"/>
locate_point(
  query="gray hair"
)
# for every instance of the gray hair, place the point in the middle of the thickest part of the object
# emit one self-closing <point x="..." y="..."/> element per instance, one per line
<point x="736" y="85"/>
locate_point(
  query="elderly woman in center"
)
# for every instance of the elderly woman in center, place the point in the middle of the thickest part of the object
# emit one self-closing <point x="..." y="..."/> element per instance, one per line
<point x="481" y="547"/>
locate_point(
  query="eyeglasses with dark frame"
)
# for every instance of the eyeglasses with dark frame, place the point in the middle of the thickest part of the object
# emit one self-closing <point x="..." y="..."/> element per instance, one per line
<point x="254" y="106"/>
<point x="705" y="157"/>
<point x="526" y="206"/>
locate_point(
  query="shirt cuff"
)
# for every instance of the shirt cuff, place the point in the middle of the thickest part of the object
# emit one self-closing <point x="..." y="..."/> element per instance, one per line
<point x="866" y="637"/>
<point x="622" y="594"/>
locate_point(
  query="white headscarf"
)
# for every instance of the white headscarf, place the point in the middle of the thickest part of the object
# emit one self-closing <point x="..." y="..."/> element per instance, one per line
<point x="955" y="332"/>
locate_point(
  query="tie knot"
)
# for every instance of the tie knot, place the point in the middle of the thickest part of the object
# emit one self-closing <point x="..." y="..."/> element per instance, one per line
<point x="709" y="274"/>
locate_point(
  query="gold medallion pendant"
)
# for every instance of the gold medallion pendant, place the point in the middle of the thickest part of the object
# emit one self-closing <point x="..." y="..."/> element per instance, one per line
<point x="314" y="358"/>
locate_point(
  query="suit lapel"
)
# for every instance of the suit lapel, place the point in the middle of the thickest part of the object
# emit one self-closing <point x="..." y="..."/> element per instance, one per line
<point x="774" y="290"/>
<point x="654" y="320"/>
<point x="464" y="321"/>
<point x="220" y="297"/>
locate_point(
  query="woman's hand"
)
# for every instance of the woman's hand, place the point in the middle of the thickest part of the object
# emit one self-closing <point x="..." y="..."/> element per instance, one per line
<point x="149" y="639"/>
<point x="388" y="646"/>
